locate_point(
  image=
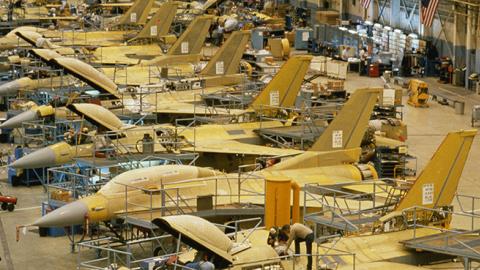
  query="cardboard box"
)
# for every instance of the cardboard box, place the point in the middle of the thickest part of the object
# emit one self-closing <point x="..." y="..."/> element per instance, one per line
<point x="269" y="60"/>
<point x="390" y="97"/>
<point x="327" y="17"/>
<point x="335" y="85"/>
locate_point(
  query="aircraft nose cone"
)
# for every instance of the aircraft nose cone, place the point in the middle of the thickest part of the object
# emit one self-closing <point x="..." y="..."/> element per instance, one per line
<point x="40" y="158"/>
<point x="9" y="88"/>
<point x="17" y="120"/>
<point x="70" y="214"/>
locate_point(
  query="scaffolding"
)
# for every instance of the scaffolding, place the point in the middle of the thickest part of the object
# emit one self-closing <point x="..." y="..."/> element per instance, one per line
<point x="342" y="209"/>
<point x="40" y="133"/>
<point x="137" y="227"/>
<point x="169" y="247"/>
<point x="52" y="84"/>
<point x="239" y="98"/>
<point x="241" y="200"/>
<point x="300" y="132"/>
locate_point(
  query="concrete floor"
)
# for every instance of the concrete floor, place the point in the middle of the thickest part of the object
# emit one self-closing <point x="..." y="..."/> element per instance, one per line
<point x="427" y="128"/>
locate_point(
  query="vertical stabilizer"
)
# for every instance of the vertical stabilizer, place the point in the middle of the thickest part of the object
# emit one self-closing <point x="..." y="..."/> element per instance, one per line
<point x="437" y="184"/>
<point x="283" y="89"/>
<point x="226" y="60"/>
<point x="191" y="41"/>
<point x="137" y="13"/>
<point x="159" y="24"/>
<point x="348" y="127"/>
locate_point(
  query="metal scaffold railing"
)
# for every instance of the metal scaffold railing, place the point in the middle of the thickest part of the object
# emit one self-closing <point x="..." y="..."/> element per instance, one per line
<point x="301" y="126"/>
<point x="346" y="210"/>
<point x="170" y="251"/>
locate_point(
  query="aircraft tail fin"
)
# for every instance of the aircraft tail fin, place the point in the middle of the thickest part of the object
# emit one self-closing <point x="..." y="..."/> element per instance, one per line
<point x="227" y="59"/>
<point x="191" y="41"/>
<point x="283" y="89"/>
<point x="348" y="127"/>
<point x="137" y="13"/>
<point x="437" y="183"/>
<point x="159" y="24"/>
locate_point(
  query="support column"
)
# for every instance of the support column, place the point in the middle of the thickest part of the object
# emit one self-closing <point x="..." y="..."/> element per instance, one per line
<point x="395" y="18"/>
<point x="477" y="40"/>
<point x="455" y="35"/>
<point x="463" y="39"/>
<point x="420" y="25"/>
<point x="371" y="11"/>
<point x="468" y="46"/>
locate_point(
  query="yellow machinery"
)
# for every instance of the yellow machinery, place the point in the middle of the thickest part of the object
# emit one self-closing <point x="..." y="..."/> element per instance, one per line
<point x="418" y="93"/>
<point x="277" y="201"/>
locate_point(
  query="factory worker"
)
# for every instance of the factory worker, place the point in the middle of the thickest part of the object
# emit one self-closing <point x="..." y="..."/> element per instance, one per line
<point x="345" y="53"/>
<point x="363" y="61"/>
<point x="300" y="233"/>
<point x="69" y="136"/>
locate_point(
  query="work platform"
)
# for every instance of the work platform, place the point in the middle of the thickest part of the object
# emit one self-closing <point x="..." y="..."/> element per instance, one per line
<point x="93" y="161"/>
<point x="344" y="223"/>
<point x="291" y="135"/>
<point x="300" y="131"/>
<point x="465" y="244"/>
<point x="143" y="219"/>
<point x="351" y="208"/>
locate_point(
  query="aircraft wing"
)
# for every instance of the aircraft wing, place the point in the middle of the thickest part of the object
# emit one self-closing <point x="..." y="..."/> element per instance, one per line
<point x="234" y="147"/>
<point x="113" y="5"/>
<point x="313" y="175"/>
<point x="379" y="190"/>
<point x="129" y="55"/>
<point x="57" y="18"/>
<point x="140" y="75"/>
<point x="180" y="108"/>
<point x="188" y="108"/>
<point x="384" y="141"/>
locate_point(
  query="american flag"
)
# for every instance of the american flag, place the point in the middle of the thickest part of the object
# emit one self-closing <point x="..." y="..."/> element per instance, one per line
<point x="365" y="3"/>
<point x="429" y="8"/>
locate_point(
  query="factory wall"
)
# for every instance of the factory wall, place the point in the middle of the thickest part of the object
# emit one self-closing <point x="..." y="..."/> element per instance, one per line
<point x="397" y="17"/>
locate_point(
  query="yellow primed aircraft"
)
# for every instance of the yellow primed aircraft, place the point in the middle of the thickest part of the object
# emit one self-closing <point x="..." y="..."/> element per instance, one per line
<point x="222" y="69"/>
<point x="137" y="14"/>
<point x="12" y="41"/>
<point x="168" y="103"/>
<point x="332" y="159"/>
<point x="435" y="188"/>
<point x="290" y="75"/>
<point x="206" y="236"/>
<point x="154" y="30"/>
<point x="251" y="254"/>
<point x="284" y="87"/>
<point x="27" y="84"/>
<point x="372" y="251"/>
<point x="187" y="103"/>
<point x="185" y="50"/>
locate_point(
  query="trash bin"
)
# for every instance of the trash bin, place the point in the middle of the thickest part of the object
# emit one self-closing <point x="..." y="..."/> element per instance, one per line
<point x="459" y="107"/>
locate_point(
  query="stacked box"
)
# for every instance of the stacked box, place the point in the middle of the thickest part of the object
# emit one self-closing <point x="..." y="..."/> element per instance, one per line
<point x="327" y="17"/>
<point x="335" y="85"/>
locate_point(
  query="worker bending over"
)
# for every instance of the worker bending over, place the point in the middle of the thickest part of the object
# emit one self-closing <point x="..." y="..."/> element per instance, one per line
<point x="300" y="233"/>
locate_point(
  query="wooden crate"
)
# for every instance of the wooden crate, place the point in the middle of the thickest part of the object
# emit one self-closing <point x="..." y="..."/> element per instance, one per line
<point x="335" y="85"/>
